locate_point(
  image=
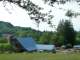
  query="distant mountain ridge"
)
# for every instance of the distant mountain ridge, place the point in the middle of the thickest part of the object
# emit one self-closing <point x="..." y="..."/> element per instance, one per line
<point x="5" y="26"/>
<point x="18" y="31"/>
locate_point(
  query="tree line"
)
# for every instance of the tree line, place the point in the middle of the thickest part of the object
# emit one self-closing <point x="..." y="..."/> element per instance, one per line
<point x="64" y="34"/>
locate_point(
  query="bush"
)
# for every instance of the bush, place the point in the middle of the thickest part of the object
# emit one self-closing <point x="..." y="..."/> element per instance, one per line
<point x="3" y="40"/>
<point x="5" y="47"/>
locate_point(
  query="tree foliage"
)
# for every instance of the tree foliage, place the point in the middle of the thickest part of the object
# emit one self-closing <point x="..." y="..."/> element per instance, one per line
<point x="69" y="33"/>
<point x="34" y="11"/>
<point x="66" y="32"/>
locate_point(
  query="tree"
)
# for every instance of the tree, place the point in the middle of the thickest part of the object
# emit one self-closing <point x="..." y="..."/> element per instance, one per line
<point x="59" y="40"/>
<point x="69" y="33"/>
<point x="34" y="11"/>
<point x="66" y="30"/>
<point x="78" y="38"/>
<point x="47" y="38"/>
<point x="44" y="39"/>
<point x="60" y="28"/>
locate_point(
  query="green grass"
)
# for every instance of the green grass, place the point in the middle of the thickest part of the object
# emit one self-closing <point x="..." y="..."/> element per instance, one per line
<point x="39" y="56"/>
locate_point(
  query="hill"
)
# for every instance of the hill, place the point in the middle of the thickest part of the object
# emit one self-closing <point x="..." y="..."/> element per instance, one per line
<point x="5" y="27"/>
<point x="8" y="27"/>
<point x="17" y="31"/>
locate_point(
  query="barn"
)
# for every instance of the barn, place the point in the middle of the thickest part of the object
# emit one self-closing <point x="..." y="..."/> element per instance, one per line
<point x="29" y="44"/>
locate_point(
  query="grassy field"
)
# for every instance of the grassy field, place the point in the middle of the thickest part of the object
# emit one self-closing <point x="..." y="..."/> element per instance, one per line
<point x="39" y="56"/>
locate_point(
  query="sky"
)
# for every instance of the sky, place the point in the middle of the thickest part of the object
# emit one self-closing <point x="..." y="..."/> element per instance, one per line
<point x="19" y="17"/>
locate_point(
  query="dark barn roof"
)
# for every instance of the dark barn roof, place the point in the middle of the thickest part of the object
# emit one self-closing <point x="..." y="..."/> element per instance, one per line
<point x="27" y="43"/>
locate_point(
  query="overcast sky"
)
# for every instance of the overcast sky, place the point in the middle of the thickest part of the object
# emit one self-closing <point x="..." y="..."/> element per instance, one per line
<point x="19" y="17"/>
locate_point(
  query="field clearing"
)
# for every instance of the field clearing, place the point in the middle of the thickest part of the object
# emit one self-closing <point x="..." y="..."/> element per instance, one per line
<point x="39" y="56"/>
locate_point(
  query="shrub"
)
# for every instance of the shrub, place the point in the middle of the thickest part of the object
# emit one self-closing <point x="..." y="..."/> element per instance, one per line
<point x="3" y="40"/>
<point x="5" y="47"/>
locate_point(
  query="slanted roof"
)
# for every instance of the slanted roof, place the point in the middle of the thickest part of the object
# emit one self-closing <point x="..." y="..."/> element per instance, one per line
<point x="28" y="43"/>
<point x="45" y="47"/>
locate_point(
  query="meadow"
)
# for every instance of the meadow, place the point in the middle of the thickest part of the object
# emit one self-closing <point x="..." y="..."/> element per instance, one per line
<point x="39" y="56"/>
